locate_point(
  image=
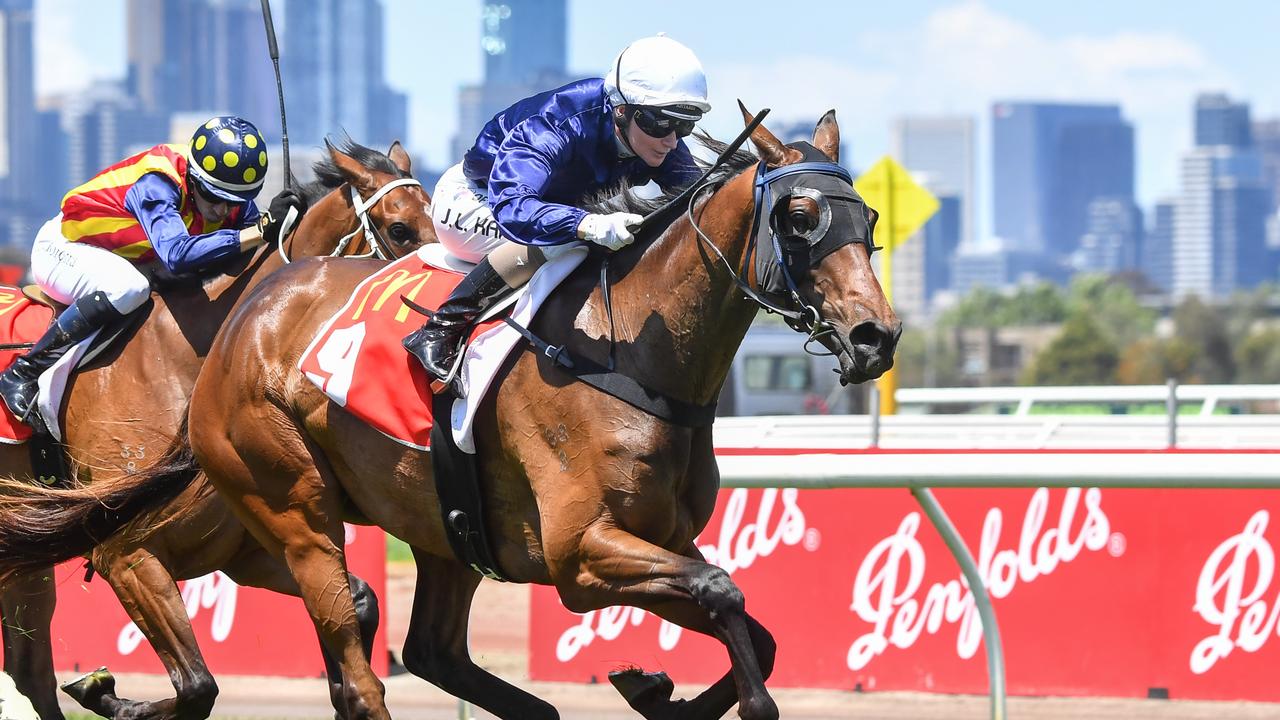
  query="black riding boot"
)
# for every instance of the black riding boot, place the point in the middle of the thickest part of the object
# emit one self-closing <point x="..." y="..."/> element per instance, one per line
<point x="18" y="384"/>
<point x="436" y="343"/>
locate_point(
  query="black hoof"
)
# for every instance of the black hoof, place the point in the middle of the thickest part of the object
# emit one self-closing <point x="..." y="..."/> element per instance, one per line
<point x="90" y="688"/>
<point x="647" y="693"/>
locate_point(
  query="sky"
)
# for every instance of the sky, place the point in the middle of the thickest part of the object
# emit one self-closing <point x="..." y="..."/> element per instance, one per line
<point x="872" y="62"/>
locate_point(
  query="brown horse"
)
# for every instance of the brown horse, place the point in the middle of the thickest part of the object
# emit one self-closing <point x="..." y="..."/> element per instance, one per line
<point x="585" y="492"/>
<point x="126" y="408"/>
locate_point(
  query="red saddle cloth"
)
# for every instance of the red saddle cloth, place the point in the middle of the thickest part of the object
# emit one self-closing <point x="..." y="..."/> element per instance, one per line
<point x="358" y="361"/>
<point x="21" y="321"/>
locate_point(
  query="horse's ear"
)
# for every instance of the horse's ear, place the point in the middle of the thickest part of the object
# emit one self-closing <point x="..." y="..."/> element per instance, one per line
<point x="399" y="157"/>
<point x="826" y="136"/>
<point x="767" y="144"/>
<point x="355" y="173"/>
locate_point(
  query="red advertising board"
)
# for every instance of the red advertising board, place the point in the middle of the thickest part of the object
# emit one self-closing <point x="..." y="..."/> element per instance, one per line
<point x="1097" y="592"/>
<point x="241" y="631"/>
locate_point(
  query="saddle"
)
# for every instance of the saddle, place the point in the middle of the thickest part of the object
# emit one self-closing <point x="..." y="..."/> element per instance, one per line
<point x="33" y="293"/>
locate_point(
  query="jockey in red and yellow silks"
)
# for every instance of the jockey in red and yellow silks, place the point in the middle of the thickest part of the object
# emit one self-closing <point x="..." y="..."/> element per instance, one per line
<point x="182" y="207"/>
<point x="96" y="213"/>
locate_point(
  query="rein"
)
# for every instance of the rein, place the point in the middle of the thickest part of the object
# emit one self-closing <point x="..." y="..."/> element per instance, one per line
<point x="378" y="246"/>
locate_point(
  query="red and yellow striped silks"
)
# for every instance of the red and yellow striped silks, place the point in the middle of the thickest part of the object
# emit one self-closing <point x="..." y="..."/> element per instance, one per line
<point x="94" y="213"/>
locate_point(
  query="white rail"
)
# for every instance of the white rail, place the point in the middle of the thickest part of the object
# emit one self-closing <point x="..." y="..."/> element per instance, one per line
<point x="1024" y="397"/>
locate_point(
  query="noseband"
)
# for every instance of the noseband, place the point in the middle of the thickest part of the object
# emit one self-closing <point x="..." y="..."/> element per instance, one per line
<point x="779" y="254"/>
<point x="378" y="246"/>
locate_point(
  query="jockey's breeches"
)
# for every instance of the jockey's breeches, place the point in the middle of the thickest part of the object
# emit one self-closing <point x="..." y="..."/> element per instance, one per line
<point x="466" y="227"/>
<point x="68" y="271"/>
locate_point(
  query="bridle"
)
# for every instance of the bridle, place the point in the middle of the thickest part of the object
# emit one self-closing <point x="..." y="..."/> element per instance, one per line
<point x="378" y="245"/>
<point x="776" y="253"/>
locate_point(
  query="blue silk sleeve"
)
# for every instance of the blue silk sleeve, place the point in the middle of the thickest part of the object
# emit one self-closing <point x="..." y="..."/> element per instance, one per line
<point x="153" y="199"/>
<point x="521" y="173"/>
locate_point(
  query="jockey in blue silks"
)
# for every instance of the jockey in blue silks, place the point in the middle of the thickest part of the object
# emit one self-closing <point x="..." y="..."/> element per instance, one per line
<point x="511" y="203"/>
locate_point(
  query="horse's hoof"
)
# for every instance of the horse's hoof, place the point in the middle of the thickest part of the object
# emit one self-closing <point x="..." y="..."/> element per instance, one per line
<point x="91" y="687"/>
<point x="647" y="693"/>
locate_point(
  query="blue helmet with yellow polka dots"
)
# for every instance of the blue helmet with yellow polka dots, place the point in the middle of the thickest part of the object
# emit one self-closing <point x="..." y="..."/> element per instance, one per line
<point x="228" y="157"/>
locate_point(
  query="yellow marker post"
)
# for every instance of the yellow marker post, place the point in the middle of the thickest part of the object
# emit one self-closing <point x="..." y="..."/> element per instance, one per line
<point x="904" y="207"/>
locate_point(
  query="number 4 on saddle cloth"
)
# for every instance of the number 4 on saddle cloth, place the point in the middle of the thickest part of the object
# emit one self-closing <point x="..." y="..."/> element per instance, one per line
<point x="359" y="363"/>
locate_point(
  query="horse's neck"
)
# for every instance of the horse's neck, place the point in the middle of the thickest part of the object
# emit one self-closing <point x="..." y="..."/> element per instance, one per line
<point x="332" y="218"/>
<point x="317" y="234"/>
<point x="679" y="307"/>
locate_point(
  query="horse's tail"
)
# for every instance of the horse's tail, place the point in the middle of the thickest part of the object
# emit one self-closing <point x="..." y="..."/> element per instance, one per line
<point x="42" y="526"/>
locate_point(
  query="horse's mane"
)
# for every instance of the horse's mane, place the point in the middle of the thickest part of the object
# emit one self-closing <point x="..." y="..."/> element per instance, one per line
<point x="328" y="176"/>
<point x="624" y="199"/>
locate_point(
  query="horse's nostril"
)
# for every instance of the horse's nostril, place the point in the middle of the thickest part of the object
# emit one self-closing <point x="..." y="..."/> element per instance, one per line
<point x="871" y="333"/>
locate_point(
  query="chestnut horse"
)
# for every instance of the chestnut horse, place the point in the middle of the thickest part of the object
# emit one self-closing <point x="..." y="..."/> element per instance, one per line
<point x="126" y="408"/>
<point x="585" y="492"/>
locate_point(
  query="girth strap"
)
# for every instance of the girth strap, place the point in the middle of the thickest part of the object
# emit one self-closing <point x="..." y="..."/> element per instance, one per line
<point x="622" y="387"/>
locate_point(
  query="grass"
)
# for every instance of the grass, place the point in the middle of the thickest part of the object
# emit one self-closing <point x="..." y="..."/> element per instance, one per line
<point x="398" y="551"/>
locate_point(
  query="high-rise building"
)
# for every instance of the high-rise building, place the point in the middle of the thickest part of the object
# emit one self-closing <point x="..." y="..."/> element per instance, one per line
<point x="1112" y="238"/>
<point x="1219" y="234"/>
<point x="1266" y="137"/>
<point x="524" y="49"/>
<point x="1049" y="162"/>
<point x="1156" y="258"/>
<point x="1221" y="121"/>
<point x="105" y="125"/>
<point x="206" y="56"/>
<point x="523" y="41"/>
<point x="941" y="148"/>
<point x="18" y="121"/>
<point x="331" y="57"/>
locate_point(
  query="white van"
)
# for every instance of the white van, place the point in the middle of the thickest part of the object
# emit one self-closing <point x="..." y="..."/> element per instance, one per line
<point x="773" y="375"/>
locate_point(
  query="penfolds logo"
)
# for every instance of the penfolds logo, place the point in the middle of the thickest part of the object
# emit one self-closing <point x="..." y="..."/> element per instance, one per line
<point x="887" y="587"/>
<point x="215" y="592"/>
<point x="778" y="521"/>
<point x="1231" y="595"/>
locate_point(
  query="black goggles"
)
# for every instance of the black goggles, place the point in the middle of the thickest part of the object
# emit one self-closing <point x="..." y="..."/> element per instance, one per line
<point x="659" y="123"/>
<point x="208" y="196"/>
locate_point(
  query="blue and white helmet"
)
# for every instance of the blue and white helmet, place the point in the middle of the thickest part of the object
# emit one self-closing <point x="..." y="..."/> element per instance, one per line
<point x="228" y="157"/>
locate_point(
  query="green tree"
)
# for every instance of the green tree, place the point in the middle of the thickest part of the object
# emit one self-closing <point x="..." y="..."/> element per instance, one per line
<point x="1037" y="304"/>
<point x="1258" y="357"/>
<point x="1152" y="361"/>
<point x="1207" y="332"/>
<point x="1111" y="303"/>
<point x="1081" y="354"/>
<point x="925" y="359"/>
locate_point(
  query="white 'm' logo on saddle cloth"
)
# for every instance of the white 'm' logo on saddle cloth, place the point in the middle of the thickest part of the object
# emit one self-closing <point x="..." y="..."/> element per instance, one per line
<point x="357" y="359"/>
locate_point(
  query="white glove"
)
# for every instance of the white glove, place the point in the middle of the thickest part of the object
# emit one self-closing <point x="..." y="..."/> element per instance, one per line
<point x="612" y="231"/>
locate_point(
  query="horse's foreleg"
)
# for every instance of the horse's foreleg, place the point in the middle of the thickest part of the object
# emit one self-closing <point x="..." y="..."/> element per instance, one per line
<point x="436" y="646"/>
<point x="150" y="596"/>
<point x="26" y="609"/>
<point x="617" y="568"/>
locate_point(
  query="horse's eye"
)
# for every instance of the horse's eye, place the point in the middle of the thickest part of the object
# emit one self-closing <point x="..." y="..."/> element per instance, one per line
<point x="400" y="232"/>
<point x="801" y="221"/>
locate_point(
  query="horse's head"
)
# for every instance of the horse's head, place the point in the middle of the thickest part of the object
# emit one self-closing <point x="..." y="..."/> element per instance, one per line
<point x="361" y="188"/>
<point x="401" y="213"/>
<point x="822" y="258"/>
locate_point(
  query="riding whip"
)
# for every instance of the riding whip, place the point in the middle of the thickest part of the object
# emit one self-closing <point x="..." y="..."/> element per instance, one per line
<point x="275" y="60"/>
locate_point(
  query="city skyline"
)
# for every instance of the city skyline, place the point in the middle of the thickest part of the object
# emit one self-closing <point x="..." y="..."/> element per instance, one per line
<point x="915" y="58"/>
